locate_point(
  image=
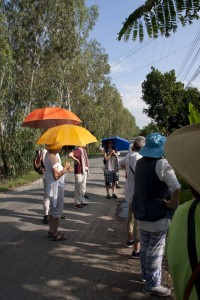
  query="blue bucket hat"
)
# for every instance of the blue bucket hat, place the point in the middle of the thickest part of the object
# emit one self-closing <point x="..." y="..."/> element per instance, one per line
<point x="154" y="146"/>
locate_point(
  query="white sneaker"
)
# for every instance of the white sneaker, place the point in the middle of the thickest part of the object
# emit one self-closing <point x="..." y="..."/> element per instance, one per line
<point x="157" y="290"/>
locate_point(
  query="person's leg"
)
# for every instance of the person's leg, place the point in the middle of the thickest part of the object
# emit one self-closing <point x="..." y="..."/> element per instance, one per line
<point x="84" y="187"/>
<point x="117" y="185"/>
<point x="46" y="204"/>
<point x="136" y="238"/>
<point x="107" y="189"/>
<point x="51" y="222"/>
<point x="129" y="227"/>
<point x="113" y="187"/>
<point x="154" y="256"/>
<point x="115" y="178"/>
<point x="144" y="244"/>
<point x="78" y="189"/>
<point x="55" y="227"/>
<point x="57" y="213"/>
<point x="107" y="184"/>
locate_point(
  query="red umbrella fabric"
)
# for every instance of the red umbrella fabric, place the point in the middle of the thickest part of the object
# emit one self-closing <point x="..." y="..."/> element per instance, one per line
<point x="50" y="117"/>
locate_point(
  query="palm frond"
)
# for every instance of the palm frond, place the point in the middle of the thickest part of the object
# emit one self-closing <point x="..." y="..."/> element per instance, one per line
<point x="159" y="16"/>
<point x="148" y="24"/>
<point x="141" y="32"/>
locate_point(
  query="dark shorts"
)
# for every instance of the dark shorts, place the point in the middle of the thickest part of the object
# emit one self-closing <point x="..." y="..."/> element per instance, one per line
<point x="111" y="177"/>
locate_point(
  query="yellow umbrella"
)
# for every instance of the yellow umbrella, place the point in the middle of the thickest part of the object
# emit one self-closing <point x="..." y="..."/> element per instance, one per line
<point x="68" y="135"/>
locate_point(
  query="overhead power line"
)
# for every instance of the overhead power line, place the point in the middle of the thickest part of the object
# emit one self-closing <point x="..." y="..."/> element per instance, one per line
<point x="191" y="64"/>
<point x="153" y="62"/>
<point x="190" y="52"/>
<point x="129" y="53"/>
<point x="196" y="74"/>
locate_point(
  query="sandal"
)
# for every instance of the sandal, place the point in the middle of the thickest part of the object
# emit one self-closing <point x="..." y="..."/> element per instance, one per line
<point x="50" y="235"/>
<point x="59" y="237"/>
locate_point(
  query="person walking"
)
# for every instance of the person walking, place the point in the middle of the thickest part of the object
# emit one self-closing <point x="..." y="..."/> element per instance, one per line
<point x="129" y="162"/>
<point x="111" y="170"/>
<point x="155" y="197"/>
<point x="81" y="172"/>
<point x="183" y="241"/>
<point x="54" y="189"/>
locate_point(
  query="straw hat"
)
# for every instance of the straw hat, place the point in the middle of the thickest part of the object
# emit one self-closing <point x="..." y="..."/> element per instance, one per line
<point x="154" y="146"/>
<point x="182" y="150"/>
<point x="54" y="147"/>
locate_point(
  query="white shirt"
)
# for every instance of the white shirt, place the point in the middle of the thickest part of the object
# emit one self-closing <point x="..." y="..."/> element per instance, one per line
<point x="128" y="161"/>
<point x="52" y="184"/>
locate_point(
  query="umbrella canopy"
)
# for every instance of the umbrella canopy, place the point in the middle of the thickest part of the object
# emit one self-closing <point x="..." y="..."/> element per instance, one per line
<point x="67" y="135"/>
<point x="120" y="144"/>
<point x="49" y="117"/>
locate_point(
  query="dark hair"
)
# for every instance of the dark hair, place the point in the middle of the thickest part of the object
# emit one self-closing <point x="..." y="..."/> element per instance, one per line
<point x="136" y="147"/>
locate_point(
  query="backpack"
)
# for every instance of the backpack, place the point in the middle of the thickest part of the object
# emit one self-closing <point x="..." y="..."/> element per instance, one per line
<point x="38" y="164"/>
<point x="194" y="280"/>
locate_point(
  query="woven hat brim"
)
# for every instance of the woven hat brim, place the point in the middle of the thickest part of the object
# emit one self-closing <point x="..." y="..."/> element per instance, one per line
<point x="182" y="150"/>
<point x="54" y="147"/>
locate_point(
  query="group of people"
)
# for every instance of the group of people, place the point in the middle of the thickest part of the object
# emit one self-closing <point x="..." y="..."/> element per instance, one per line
<point x="156" y="223"/>
<point x="152" y="191"/>
<point x="54" y="184"/>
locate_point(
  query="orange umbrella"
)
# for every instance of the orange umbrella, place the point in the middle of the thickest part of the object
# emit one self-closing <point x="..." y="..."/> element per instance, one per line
<point x="49" y="117"/>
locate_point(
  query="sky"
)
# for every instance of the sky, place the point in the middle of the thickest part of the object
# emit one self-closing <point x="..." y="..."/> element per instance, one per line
<point x="131" y="61"/>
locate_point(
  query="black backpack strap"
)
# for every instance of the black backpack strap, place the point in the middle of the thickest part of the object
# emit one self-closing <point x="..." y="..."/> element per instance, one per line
<point x="191" y="244"/>
<point x="131" y="167"/>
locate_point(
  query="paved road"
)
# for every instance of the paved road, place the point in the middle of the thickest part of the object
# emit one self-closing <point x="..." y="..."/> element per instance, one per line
<point x="92" y="264"/>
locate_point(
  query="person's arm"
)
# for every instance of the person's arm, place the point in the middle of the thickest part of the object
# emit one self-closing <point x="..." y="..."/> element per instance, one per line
<point x="71" y="155"/>
<point x="122" y="162"/>
<point x="167" y="174"/>
<point x="174" y="200"/>
<point x="57" y="174"/>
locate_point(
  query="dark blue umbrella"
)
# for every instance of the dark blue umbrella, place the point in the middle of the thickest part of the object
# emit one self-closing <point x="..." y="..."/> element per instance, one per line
<point x="119" y="144"/>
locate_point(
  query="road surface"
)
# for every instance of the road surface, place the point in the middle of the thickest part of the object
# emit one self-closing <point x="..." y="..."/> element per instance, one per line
<point x="92" y="264"/>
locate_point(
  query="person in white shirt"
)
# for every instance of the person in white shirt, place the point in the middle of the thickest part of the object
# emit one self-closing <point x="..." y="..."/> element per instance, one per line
<point x="129" y="162"/>
<point x="55" y="182"/>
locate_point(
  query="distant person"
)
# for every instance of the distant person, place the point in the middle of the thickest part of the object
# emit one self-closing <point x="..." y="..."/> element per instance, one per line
<point x="156" y="193"/>
<point x="111" y="170"/>
<point x="129" y="161"/>
<point x="55" y="184"/>
<point x="81" y="172"/>
<point x="183" y="243"/>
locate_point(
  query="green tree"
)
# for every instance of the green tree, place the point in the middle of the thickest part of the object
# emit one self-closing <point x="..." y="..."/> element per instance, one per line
<point x="6" y="62"/>
<point x="163" y="95"/>
<point x="168" y="101"/>
<point x="159" y="16"/>
<point x="190" y="95"/>
<point x="151" y="127"/>
<point x="46" y="60"/>
<point x="45" y="38"/>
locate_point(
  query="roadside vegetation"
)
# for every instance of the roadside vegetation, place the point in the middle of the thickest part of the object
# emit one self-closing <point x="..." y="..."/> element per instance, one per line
<point x="48" y="59"/>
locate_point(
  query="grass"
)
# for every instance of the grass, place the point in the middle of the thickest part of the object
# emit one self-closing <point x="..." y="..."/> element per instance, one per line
<point x="7" y="184"/>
